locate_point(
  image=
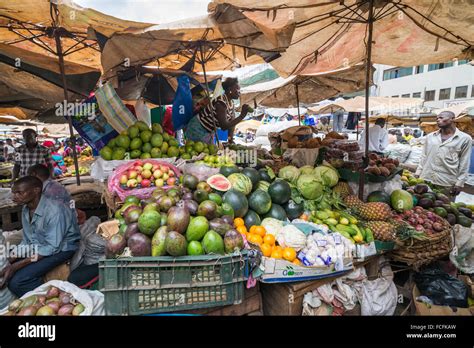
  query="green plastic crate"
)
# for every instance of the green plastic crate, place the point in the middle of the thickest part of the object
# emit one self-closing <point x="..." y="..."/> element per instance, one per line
<point x="148" y="285"/>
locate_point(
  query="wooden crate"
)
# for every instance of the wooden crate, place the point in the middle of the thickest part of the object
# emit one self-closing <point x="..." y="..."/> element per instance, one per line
<point x="251" y="306"/>
<point x="10" y="218"/>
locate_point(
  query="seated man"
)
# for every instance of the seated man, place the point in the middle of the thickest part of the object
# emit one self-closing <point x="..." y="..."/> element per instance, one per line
<point x="54" y="190"/>
<point x="49" y="233"/>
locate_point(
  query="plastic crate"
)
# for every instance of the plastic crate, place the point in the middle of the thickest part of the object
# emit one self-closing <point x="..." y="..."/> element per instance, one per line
<point x="148" y="285"/>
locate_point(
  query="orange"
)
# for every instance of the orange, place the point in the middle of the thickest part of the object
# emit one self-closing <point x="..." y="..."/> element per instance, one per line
<point x="276" y="254"/>
<point x="289" y="254"/>
<point x="266" y="249"/>
<point x="252" y="229"/>
<point x="239" y="222"/>
<point x="260" y="230"/>
<point x="304" y="217"/>
<point x="269" y="239"/>
<point x="255" y="239"/>
<point x="297" y="262"/>
<point x="242" y="229"/>
<point x="277" y="247"/>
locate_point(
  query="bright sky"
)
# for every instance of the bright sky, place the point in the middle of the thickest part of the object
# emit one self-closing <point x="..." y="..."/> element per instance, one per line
<point x="149" y="11"/>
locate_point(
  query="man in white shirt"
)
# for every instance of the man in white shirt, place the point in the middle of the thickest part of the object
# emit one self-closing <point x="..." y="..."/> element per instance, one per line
<point x="446" y="156"/>
<point x="378" y="137"/>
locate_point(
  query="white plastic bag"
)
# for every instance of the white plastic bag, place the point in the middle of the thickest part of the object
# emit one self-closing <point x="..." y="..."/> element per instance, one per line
<point x="92" y="300"/>
<point x="143" y="112"/>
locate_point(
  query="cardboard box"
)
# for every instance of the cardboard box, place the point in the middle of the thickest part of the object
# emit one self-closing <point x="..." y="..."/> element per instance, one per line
<point x="108" y="229"/>
<point x="423" y="309"/>
<point x="281" y="271"/>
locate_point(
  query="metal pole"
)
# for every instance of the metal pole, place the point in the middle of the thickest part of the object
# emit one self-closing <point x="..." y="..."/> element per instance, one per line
<point x="370" y="22"/>
<point x="57" y="37"/>
<point x="298" y="103"/>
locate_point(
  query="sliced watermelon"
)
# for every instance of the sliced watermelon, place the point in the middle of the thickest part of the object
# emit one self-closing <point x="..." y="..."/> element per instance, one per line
<point x="219" y="182"/>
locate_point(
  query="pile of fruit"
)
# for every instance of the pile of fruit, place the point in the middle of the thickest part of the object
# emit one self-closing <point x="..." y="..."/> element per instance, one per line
<point x="381" y="165"/>
<point x="193" y="218"/>
<point x="54" y="302"/>
<point x="216" y="161"/>
<point x="82" y="171"/>
<point x="139" y="141"/>
<point x="145" y="174"/>
<point x="423" y="220"/>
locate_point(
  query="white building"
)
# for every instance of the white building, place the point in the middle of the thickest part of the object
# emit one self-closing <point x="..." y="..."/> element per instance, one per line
<point x="440" y="85"/>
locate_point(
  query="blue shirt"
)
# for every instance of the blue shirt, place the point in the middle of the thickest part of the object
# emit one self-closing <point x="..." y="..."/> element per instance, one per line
<point x="52" y="228"/>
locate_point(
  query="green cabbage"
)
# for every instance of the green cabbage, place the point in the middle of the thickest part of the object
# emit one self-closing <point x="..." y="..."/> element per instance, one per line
<point x="309" y="186"/>
<point x="289" y="173"/>
<point x="326" y="175"/>
<point x="306" y="170"/>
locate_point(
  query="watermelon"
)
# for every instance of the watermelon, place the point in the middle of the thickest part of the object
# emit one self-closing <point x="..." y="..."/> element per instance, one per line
<point x="294" y="210"/>
<point x="280" y="191"/>
<point x="260" y="201"/>
<point x="228" y="170"/>
<point x="264" y="175"/>
<point x="237" y="201"/>
<point x="401" y="200"/>
<point x="263" y="185"/>
<point x="252" y="219"/>
<point x="240" y="183"/>
<point x="253" y="175"/>
<point x="219" y="183"/>
<point x="378" y="196"/>
<point x="276" y="212"/>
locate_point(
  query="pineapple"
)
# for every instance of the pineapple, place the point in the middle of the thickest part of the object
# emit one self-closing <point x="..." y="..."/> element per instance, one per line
<point x="382" y="230"/>
<point x="343" y="189"/>
<point x="375" y="211"/>
<point x="352" y="202"/>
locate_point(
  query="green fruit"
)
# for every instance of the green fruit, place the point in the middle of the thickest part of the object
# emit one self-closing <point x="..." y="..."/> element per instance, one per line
<point x="146" y="147"/>
<point x="131" y="199"/>
<point x="133" y="132"/>
<point x="195" y="248"/>
<point x="164" y="148"/>
<point x="264" y="175"/>
<point x="215" y="198"/>
<point x="464" y="221"/>
<point x="263" y="185"/>
<point x="197" y="228"/>
<point x="190" y="143"/>
<point x="379" y="196"/>
<point x="176" y="244"/>
<point x="190" y="181"/>
<point x="149" y="222"/>
<point x="228" y="170"/>
<point x="166" y="137"/>
<point x="181" y="150"/>
<point x="253" y="175"/>
<point x="173" y="142"/>
<point x="260" y="201"/>
<point x="173" y="151"/>
<point x="441" y="212"/>
<point x="146" y="136"/>
<point x="186" y="156"/>
<point x="252" y="219"/>
<point x="226" y="209"/>
<point x="145" y="155"/>
<point x="142" y="126"/>
<point x="294" y="210"/>
<point x="219" y="183"/>
<point x="276" y="212"/>
<point x="156" y="140"/>
<point x="212" y="149"/>
<point x="198" y="147"/>
<point x="135" y="154"/>
<point x="280" y="191"/>
<point x="241" y="183"/>
<point x="112" y="143"/>
<point x="106" y="153"/>
<point x="156" y="128"/>
<point x="122" y="228"/>
<point x="155" y="152"/>
<point x="401" y="200"/>
<point x="118" y="154"/>
<point x="213" y="243"/>
<point x="237" y="201"/>
<point x="158" y="242"/>
<point x="136" y="144"/>
<point x="205" y="151"/>
<point x="122" y="141"/>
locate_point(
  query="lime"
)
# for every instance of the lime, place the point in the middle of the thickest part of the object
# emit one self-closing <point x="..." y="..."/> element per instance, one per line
<point x="146" y="147"/>
<point x="133" y="132"/>
<point x="195" y="248"/>
<point x="156" y="140"/>
<point x="135" y="154"/>
<point x="136" y="144"/>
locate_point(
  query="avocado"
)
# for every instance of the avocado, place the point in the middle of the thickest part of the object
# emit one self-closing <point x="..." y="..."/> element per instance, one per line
<point x="464" y="221"/>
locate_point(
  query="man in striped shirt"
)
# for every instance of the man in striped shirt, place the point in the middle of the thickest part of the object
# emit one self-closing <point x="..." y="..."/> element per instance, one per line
<point x="29" y="154"/>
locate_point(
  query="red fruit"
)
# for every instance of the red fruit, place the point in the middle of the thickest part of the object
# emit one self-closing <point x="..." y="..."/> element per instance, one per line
<point x="419" y="228"/>
<point x="171" y="181"/>
<point x="145" y="183"/>
<point x="438" y="227"/>
<point x="420" y="221"/>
